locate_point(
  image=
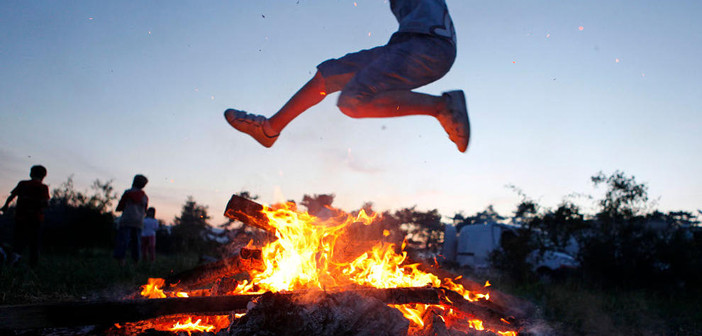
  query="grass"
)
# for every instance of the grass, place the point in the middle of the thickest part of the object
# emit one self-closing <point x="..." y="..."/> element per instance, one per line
<point x="573" y="307"/>
<point x="82" y="275"/>
<point x="570" y="307"/>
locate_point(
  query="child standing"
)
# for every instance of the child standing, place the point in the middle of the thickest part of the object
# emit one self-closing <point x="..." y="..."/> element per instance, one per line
<point x="148" y="236"/>
<point x="32" y="198"/>
<point x="378" y="83"/>
<point x="133" y="205"/>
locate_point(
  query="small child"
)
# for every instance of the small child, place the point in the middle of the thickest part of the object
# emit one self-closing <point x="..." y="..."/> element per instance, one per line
<point x="378" y="83"/>
<point x="32" y="198"/>
<point x="133" y="205"/>
<point x="148" y="236"/>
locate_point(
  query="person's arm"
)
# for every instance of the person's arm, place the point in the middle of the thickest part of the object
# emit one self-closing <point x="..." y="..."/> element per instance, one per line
<point x="122" y="202"/>
<point x="9" y="200"/>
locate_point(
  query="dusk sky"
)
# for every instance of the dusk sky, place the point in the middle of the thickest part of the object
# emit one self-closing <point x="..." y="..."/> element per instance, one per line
<point x="557" y="91"/>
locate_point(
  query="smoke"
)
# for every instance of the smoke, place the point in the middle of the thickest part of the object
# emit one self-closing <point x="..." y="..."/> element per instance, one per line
<point x="538" y="328"/>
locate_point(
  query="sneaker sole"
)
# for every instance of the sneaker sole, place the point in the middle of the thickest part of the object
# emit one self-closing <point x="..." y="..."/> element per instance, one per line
<point x="458" y="104"/>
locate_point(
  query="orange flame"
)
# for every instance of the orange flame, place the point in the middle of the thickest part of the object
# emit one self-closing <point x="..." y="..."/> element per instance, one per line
<point x="152" y="289"/>
<point x="191" y="326"/>
<point x="316" y="253"/>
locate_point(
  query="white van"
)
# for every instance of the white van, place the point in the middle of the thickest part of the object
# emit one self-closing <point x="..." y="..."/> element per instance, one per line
<point x="474" y="244"/>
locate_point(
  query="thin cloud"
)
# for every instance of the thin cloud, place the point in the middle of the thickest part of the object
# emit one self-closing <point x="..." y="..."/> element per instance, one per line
<point x="359" y="165"/>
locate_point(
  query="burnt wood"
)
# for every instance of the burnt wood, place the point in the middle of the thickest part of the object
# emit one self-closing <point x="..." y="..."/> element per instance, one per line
<point x="491" y="318"/>
<point x="248" y="212"/>
<point x="210" y="273"/>
<point x="69" y="314"/>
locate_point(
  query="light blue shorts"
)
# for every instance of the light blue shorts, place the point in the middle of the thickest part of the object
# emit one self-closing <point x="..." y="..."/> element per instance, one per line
<point x="407" y="62"/>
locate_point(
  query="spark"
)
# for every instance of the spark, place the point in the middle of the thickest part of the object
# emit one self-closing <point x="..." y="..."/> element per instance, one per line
<point x="90" y="18"/>
<point x="212" y="97"/>
<point x="548" y="35"/>
<point x="581" y="28"/>
<point x="369" y="34"/>
<point x="355" y="4"/>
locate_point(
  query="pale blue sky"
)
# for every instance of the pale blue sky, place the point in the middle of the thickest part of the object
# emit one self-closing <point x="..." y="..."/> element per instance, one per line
<point x="108" y="89"/>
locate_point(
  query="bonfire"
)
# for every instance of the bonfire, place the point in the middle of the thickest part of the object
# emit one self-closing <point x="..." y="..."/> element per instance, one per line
<point x="315" y="271"/>
<point x="336" y="274"/>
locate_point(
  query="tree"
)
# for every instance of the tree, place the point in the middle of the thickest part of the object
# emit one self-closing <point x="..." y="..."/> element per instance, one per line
<point x="100" y="200"/>
<point x="423" y="229"/>
<point x="620" y="247"/>
<point x="318" y="205"/>
<point x="562" y="225"/>
<point x="190" y="228"/>
<point x="485" y="216"/>
<point x="517" y="245"/>
<point x="624" y="197"/>
<point x="80" y="219"/>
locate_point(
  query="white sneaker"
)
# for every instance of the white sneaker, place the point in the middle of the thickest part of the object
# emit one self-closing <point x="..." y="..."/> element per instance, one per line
<point x="250" y="124"/>
<point x="455" y="119"/>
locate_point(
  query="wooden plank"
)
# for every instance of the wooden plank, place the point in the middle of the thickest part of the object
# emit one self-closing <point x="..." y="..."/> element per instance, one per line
<point x="69" y="314"/>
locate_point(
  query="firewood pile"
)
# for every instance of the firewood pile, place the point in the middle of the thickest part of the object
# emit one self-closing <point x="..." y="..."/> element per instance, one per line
<point x="228" y="297"/>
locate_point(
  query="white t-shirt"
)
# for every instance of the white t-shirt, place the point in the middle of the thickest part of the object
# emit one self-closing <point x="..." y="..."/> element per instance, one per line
<point x="150" y="227"/>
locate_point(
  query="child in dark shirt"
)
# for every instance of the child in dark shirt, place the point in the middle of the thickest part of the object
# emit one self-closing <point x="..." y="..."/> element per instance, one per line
<point x="133" y="205"/>
<point x="32" y="198"/>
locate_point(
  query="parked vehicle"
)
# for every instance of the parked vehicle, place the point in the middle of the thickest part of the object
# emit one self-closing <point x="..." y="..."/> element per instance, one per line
<point x="472" y="247"/>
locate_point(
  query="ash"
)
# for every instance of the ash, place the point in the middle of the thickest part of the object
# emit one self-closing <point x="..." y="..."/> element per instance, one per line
<point x="347" y="314"/>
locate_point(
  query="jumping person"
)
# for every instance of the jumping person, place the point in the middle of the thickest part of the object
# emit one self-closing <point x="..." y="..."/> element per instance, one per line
<point x="378" y="82"/>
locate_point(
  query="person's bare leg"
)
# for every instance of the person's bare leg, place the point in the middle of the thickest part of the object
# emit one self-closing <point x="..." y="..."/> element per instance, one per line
<point x="393" y="104"/>
<point x="266" y="130"/>
<point x="309" y="95"/>
<point x="449" y="109"/>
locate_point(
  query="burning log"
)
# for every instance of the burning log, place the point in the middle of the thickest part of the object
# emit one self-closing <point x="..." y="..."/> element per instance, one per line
<point x="70" y="314"/>
<point x="248" y="212"/>
<point x="211" y="273"/>
<point x="108" y="312"/>
<point x="505" y="304"/>
<point x="491" y="318"/>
